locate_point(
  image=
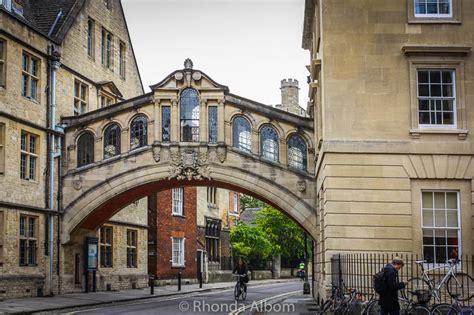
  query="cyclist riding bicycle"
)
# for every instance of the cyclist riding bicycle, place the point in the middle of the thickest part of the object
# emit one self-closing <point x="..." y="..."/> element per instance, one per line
<point x="241" y="269"/>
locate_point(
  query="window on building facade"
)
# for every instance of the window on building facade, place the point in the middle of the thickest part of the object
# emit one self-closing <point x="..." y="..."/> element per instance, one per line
<point x="2" y="148"/>
<point x="236" y="202"/>
<point x="241" y="133"/>
<point x="30" y="76"/>
<point x="138" y="132"/>
<point x="166" y="124"/>
<point x="108" y="4"/>
<point x="3" y="57"/>
<point x="433" y="8"/>
<point x="85" y="149"/>
<point x="106" y="101"/>
<point x="107" y="42"/>
<point x="178" y="251"/>
<point x="440" y="224"/>
<point x="189" y="111"/>
<point x="28" y="240"/>
<point x="269" y="143"/>
<point x="80" y="97"/>
<point x="28" y="156"/>
<point x="297" y="153"/>
<point x="90" y="38"/>
<point x="436" y="98"/>
<point x="177" y="201"/>
<point x="122" y="59"/>
<point x="112" y="141"/>
<point x="106" y="246"/>
<point x="131" y="248"/>
<point x="212" y="124"/>
<point x="213" y="232"/>
<point x="211" y="195"/>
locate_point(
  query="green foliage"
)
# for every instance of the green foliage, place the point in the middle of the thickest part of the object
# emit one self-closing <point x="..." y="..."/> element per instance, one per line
<point x="250" y="202"/>
<point x="251" y="243"/>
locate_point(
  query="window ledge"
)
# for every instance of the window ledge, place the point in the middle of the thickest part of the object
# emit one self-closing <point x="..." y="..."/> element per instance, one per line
<point x="433" y="20"/>
<point x="462" y="133"/>
<point x="178" y="266"/>
<point x="178" y="215"/>
<point x="416" y="49"/>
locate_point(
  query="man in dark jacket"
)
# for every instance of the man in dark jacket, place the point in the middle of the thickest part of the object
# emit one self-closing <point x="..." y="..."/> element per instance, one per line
<point x="389" y="300"/>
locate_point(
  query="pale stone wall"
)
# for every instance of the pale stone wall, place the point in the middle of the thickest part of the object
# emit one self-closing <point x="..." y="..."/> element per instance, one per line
<point x="134" y="213"/>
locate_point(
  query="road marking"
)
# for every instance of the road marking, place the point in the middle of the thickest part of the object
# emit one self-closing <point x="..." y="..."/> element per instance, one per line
<point x="262" y="301"/>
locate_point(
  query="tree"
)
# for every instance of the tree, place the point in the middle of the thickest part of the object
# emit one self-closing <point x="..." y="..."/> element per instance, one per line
<point x="250" y="202"/>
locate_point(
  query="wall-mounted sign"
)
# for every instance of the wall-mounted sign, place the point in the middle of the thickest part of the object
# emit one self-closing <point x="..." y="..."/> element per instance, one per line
<point x="92" y="252"/>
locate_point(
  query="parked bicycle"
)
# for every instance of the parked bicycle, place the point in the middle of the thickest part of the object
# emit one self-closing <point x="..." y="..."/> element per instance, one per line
<point x="240" y="290"/>
<point x="457" y="284"/>
<point x="455" y="308"/>
<point x="340" y="303"/>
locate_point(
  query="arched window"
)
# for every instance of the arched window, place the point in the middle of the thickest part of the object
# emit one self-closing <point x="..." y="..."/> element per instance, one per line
<point x="189" y="111"/>
<point x="85" y="149"/>
<point x="111" y="141"/>
<point x="269" y="143"/>
<point x="138" y="132"/>
<point x="241" y="134"/>
<point x="297" y="152"/>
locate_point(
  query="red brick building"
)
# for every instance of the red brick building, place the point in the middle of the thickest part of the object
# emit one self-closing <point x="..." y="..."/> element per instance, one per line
<point x="172" y="235"/>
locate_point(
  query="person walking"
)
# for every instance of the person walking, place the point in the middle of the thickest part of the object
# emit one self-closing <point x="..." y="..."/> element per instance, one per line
<point x="388" y="300"/>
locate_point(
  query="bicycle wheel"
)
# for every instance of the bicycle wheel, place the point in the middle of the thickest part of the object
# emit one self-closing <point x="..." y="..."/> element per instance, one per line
<point x="460" y="286"/>
<point x="244" y="293"/>
<point x="444" y="309"/>
<point x="325" y="308"/>
<point x="412" y="290"/>
<point x="413" y="309"/>
<point x="373" y="308"/>
<point x="237" y="291"/>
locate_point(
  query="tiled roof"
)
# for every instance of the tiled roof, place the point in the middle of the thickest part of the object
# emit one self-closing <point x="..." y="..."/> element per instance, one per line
<point x="42" y="15"/>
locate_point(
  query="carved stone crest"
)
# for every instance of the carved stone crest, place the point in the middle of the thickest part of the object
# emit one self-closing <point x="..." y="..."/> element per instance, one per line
<point x="157" y="154"/>
<point x="189" y="165"/>
<point x="301" y="185"/>
<point x="221" y="154"/>
<point x="77" y="183"/>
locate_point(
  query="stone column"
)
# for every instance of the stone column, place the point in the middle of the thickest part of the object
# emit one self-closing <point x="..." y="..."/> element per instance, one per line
<point x="282" y="152"/>
<point x="221" y="122"/>
<point x="175" y="121"/>
<point x="203" y="121"/>
<point x="255" y="141"/>
<point x="157" y="118"/>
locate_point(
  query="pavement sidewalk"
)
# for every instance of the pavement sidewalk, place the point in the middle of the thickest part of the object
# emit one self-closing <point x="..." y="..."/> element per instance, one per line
<point x="299" y="303"/>
<point x="71" y="300"/>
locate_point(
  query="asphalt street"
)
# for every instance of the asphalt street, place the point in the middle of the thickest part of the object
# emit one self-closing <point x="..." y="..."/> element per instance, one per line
<point x="221" y="302"/>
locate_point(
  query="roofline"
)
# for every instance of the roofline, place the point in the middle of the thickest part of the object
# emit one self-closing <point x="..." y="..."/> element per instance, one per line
<point x="28" y="24"/>
<point x="64" y="29"/>
<point x="101" y="113"/>
<point x="270" y="111"/>
<point x="131" y="46"/>
<point x="225" y="87"/>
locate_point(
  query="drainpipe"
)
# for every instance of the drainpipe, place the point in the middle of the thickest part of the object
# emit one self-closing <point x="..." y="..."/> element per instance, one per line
<point x="55" y="65"/>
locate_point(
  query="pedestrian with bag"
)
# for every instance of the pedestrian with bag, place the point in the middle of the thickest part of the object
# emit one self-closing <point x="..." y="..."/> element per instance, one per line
<point x="387" y="285"/>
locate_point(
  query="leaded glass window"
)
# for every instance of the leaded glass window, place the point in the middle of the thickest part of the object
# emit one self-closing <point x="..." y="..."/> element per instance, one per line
<point x="166" y="124"/>
<point x="189" y="112"/>
<point x="241" y="133"/>
<point x="138" y="132"/>
<point x="297" y="152"/>
<point x="212" y="125"/>
<point x="269" y="143"/>
<point x="111" y="141"/>
<point x="85" y="149"/>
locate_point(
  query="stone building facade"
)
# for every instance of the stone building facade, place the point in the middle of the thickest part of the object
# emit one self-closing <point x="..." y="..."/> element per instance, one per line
<point x="67" y="57"/>
<point x="391" y="93"/>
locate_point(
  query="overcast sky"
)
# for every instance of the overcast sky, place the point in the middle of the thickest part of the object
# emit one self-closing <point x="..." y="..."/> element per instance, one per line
<point x="248" y="45"/>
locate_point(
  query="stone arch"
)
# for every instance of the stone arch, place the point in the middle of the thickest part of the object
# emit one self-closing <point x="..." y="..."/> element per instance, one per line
<point x="131" y="116"/>
<point x="81" y="131"/>
<point x="274" y="125"/>
<point x="106" y="123"/>
<point x="247" y="115"/>
<point x="301" y="133"/>
<point x="98" y="203"/>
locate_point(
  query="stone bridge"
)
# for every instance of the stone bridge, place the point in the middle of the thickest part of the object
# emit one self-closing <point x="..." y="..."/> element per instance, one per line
<point x="189" y="130"/>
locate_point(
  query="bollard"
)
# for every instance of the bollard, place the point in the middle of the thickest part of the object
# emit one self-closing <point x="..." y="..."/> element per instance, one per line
<point x="152" y="285"/>
<point x="179" y="281"/>
<point x="200" y="280"/>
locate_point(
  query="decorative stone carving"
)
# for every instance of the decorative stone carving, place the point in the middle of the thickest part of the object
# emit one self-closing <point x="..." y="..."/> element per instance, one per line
<point x="188" y="64"/>
<point x="157" y="153"/>
<point x="77" y="183"/>
<point x="178" y="76"/>
<point x="197" y="76"/>
<point x="221" y="154"/>
<point x="301" y="185"/>
<point x="189" y="165"/>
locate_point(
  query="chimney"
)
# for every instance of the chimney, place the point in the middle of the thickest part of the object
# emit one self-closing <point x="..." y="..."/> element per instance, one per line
<point x="289" y="96"/>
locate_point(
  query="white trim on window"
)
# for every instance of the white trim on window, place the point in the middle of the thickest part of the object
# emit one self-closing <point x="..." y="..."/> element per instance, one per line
<point x="177" y="201"/>
<point x="433" y="15"/>
<point x="177" y="251"/>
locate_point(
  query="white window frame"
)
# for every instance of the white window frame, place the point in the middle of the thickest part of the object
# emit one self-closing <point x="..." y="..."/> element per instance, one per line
<point x="177" y="201"/>
<point x="431" y="15"/>
<point x="236" y="202"/>
<point x="454" y="98"/>
<point x="445" y="228"/>
<point x="177" y="251"/>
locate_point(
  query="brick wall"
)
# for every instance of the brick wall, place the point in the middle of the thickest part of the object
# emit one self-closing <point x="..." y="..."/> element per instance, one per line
<point x="164" y="225"/>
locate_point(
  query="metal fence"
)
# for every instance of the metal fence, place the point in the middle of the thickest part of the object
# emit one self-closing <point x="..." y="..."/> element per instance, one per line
<point x="357" y="270"/>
